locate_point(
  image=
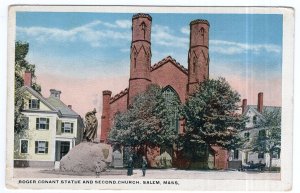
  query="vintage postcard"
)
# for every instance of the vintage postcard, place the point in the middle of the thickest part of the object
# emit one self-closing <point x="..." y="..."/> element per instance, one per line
<point x="132" y="97"/>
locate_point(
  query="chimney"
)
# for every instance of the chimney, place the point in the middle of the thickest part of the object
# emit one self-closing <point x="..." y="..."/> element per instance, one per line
<point x="55" y="93"/>
<point x="244" y="105"/>
<point x="27" y="78"/>
<point x="70" y="106"/>
<point x="260" y="102"/>
<point x="105" y="118"/>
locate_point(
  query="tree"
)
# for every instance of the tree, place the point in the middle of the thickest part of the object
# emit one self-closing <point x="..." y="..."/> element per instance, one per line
<point x="147" y="122"/>
<point x="21" y="65"/>
<point x="268" y="140"/>
<point x="211" y="118"/>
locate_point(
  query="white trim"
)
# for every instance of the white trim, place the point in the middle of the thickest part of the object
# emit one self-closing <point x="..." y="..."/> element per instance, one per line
<point x="64" y="138"/>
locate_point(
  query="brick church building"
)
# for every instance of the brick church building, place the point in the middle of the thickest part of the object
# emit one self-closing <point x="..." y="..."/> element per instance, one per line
<point x="167" y="73"/>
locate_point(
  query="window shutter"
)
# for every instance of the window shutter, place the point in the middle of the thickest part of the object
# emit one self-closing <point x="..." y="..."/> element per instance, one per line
<point x="21" y="146"/>
<point x="62" y="127"/>
<point x="29" y="104"/>
<point x="37" y="123"/>
<point x="58" y="127"/>
<point x="48" y="122"/>
<point x="46" y="147"/>
<point x="38" y="104"/>
<point x="23" y="103"/>
<point x="72" y="124"/>
<point x="36" y="146"/>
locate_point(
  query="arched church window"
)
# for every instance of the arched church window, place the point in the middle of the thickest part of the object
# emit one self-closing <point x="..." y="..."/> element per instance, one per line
<point x="195" y="60"/>
<point x="172" y="102"/>
<point x="202" y="32"/>
<point x="134" y="56"/>
<point x="144" y="27"/>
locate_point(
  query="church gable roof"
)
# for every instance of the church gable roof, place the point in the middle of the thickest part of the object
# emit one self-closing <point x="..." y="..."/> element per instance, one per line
<point x="173" y="61"/>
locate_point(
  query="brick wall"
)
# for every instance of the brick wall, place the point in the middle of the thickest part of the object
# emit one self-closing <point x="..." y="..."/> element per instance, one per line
<point x="169" y="74"/>
<point x="119" y="105"/>
<point x="221" y="157"/>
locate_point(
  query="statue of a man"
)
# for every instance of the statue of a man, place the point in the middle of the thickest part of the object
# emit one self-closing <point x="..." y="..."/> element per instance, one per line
<point x="91" y="125"/>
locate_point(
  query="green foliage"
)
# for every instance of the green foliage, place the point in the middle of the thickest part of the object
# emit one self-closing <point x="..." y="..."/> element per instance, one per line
<point x="211" y="118"/>
<point x="270" y="140"/>
<point x="21" y="65"/>
<point x="147" y="122"/>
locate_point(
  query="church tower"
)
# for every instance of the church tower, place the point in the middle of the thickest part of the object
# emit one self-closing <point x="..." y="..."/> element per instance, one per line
<point x="140" y="55"/>
<point x="198" y="56"/>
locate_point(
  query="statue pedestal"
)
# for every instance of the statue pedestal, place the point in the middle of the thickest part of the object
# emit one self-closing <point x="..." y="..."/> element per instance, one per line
<point x="87" y="157"/>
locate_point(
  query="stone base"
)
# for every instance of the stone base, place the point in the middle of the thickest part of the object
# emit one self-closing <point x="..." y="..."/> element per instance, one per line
<point x="87" y="157"/>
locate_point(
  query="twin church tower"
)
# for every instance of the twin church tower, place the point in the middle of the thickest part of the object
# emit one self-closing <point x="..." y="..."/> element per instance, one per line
<point x="167" y="73"/>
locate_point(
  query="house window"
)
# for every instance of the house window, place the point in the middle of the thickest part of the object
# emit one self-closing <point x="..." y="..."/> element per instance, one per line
<point x="261" y="155"/>
<point x="34" y="104"/>
<point x="41" y="147"/>
<point x="276" y="154"/>
<point x="247" y="135"/>
<point x="24" y="146"/>
<point x="236" y="154"/>
<point x="262" y="134"/>
<point x="67" y="127"/>
<point x="42" y="123"/>
<point x="254" y="120"/>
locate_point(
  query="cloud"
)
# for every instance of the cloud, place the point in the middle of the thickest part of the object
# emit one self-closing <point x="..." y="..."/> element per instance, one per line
<point x="94" y="33"/>
<point x="164" y="36"/>
<point x="231" y="48"/>
<point x="125" y="50"/>
<point x="185" y="30"/>
<point x="123" y="23"/>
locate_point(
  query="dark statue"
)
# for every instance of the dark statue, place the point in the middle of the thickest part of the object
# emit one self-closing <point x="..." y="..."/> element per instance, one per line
<point x="91" y="125"/>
